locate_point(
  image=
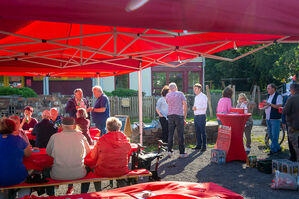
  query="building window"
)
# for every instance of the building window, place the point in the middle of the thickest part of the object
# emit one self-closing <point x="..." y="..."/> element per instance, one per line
<point x="185" y="77"/>
<point x="159" y="81"/>
<point x="121" y="81"/>
<point x="176" y="77"/>
<point x="193" y="78"/>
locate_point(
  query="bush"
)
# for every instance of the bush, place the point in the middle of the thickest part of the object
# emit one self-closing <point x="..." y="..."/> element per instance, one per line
<point x="109" y="94"/>
<point x="125" y="92"/>
<point x="24" y="91"/>
<point x="216" y="91"/>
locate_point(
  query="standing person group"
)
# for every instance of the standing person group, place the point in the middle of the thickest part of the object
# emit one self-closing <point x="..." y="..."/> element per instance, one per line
<point x="244" y="104"/>
<point x="200" y="109"/>
<point x="291" y="111"/>
<point x="177" y="113"/>
<point x="172" y="111"/>
<point x="162" y="110"/>
<point x="100" y="112"/>
<point x="273" y="117"/>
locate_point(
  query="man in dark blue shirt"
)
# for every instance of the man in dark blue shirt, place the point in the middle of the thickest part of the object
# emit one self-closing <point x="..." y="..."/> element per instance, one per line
<point x="100" y="111"/>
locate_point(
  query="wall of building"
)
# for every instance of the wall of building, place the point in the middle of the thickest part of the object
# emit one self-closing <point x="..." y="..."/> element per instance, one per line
<point x="146" y="76"/>
<point x="64" y="87"/>
<point x="108" y="83"/>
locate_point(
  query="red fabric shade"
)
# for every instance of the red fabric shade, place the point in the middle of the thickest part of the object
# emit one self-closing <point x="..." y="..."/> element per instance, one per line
<point x="70" y="50"/>
<point x="235" y="16"/>
<point x="154" y="35"/>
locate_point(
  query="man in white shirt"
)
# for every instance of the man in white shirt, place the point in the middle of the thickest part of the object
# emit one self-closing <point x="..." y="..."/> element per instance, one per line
<point x="200" y="109"/>
<point x="273" y="117"/>
<point x="68" y="148"/>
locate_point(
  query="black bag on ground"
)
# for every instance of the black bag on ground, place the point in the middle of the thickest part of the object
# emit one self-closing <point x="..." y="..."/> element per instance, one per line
<point x="36" y="178"/>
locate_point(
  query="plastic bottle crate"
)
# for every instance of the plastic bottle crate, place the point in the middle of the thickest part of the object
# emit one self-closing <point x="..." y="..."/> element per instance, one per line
<point x="285" y="166"/>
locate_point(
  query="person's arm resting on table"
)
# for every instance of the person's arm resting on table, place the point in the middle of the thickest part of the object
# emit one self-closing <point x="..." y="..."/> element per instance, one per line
<point x="27" y="151"/>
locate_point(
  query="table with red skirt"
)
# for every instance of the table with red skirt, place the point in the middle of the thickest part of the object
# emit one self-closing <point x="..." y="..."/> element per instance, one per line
<point x="237" y="123"/>
<point x="95" y="133"/>
<point x="40" y="160"/>
<point x="159" y="190"/>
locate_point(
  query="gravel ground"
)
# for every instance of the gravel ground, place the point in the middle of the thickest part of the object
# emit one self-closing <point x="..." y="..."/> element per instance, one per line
<point x="235" y="176"/>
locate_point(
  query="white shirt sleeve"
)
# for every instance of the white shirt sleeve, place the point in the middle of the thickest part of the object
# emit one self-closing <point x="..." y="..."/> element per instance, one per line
<point x="279" y="100"/>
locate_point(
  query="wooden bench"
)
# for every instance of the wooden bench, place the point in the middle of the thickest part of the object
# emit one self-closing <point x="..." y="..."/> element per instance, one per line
<point x="90" y="177"/>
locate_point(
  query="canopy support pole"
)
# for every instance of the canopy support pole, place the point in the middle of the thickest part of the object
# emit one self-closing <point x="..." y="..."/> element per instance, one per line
<point x="46" y="85"/>
<point x="140" y="103"/>
<point x="98" y="79"/>
<point x="203" y="73"/>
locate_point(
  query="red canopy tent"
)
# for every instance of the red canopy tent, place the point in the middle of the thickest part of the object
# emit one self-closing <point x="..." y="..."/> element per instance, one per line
<point x="62" y="49"/>
<point x="155" y="36"/>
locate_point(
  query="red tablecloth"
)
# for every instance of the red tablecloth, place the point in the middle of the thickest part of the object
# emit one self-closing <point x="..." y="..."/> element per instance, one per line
<point x="39" y="161"/>
<point x="237" y="122"/>
<point x="30" y="137"/>
<point x="161" y="190"/>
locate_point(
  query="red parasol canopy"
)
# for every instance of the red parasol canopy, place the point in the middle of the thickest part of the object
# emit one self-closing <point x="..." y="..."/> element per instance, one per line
<point x="62" y="49"/>
<point x="102" y="48"/>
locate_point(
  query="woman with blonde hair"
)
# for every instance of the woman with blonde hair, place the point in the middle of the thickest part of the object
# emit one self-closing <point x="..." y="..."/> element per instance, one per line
<point x="243" y="103"/>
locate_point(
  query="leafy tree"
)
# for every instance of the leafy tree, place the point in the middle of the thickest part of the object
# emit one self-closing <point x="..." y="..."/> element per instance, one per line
<point x="271" y="64"/>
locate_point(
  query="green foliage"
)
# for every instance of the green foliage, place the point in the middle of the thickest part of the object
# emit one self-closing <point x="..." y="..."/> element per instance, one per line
<point x="216" y="91"/>
<point x="109" y="94"/>
<point x="269" y="65"/>
<point x="24" y="91"/>
<point x="124" y="92"/>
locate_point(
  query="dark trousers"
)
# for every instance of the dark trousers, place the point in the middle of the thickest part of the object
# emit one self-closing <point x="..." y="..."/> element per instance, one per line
<point x="164" y="124"/>
<point x="292" y="151"/>
<point x="176" y="121"/>
<point x="293" y="156"/>
<point x="101" y="127"/>
<point x="51" y="189"/>
<point x="200" y="130"/>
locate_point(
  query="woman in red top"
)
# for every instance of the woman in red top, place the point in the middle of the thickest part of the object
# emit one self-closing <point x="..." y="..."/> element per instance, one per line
<point x="111" y="152"/>
<point x="83" y="123"/>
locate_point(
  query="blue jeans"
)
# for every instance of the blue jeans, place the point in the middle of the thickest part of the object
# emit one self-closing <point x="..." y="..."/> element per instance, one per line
<point x="176" y="121"/>
<point x="273" y="132"/>
<point x="200" y="130"/>
<point x="101" y="127"/>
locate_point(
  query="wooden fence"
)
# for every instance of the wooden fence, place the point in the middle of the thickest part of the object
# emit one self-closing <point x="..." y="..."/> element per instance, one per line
<point x="129" y="106"/>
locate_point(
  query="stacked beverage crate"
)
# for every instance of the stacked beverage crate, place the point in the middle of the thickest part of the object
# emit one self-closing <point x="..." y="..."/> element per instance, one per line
<point x="285" y="166"/>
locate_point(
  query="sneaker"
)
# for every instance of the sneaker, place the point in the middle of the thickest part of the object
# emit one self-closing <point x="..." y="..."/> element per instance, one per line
<point x="70" y="191"/>
<point x="184" y="155"/>
<point x="169" y="154"/>
<point x="203" y="149"/>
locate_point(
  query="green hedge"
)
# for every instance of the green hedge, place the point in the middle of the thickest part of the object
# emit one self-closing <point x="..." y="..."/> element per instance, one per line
<point x="215" y="91"/>
<point x="24" y="91"/>
<point x="123" y="92"/>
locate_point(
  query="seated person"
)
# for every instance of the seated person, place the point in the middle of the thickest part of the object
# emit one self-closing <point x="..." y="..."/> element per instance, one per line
<point x="55" y="117"/>
<point x="111" y="151"/>
<point x="20" y="132"/>
<point x="68" y="148"/>
<point x="28" y="121"/>
<point x="44" y="130"/>
<point x="83" y="123"/>
<point x="12" y="150"/>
